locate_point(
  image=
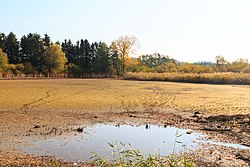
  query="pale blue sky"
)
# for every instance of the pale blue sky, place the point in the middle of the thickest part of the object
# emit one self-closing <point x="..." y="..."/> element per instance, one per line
<point x="187" y="30"/>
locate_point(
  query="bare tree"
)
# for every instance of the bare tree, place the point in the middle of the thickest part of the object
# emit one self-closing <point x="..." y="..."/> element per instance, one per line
<point x="220" y="62"/>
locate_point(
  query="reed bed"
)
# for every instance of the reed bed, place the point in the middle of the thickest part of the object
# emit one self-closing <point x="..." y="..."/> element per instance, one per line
<point x="211" y="78"/>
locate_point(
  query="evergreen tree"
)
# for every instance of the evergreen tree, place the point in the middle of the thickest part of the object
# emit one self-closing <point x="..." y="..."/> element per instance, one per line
<point x="93" y="53"/>
<point x="69" y="50"/>
<point x="115" y="63"/>
<point x="85" y="57"/>
<point x="32" y="50"/>
<point x="12" y="48"/>
<point x="2" y="40"/>
<point x="77" y="53"/>
<point x="47" y="40"/>
<point x="102" y="60"/>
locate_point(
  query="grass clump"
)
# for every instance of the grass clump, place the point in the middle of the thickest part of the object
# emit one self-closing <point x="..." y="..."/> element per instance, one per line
<point x="123" y="155"/>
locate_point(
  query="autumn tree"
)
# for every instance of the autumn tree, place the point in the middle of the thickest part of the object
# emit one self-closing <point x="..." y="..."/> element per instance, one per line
<point x="3" y="61"/>
<point x="167" y="67"/>
<point x="124" y="46"/>
<point x="246" y="69"/>
<point x="54" y="59"/>
<point x="238" y="65"/>
<point x="154" y="60"/>
<point x="220" y="62"/>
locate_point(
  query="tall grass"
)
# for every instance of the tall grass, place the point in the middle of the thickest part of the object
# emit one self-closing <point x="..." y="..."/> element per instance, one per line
<point x="211" y="78"/>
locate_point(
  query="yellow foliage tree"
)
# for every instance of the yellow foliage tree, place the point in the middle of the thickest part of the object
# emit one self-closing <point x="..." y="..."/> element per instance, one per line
<point x="3" y="61"/>
<point x="54" y="59"/>
<point x="124" y="46"/>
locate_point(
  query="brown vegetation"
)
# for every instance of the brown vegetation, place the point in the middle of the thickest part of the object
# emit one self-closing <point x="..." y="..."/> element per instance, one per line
<point x="213" y="78"/>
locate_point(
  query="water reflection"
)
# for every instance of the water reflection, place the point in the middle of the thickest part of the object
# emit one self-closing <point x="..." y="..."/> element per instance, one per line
<point x="148" y="138"/>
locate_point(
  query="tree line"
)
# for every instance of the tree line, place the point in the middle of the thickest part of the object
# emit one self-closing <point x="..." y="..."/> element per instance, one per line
<point x="34" y="54"/>
<point x="158" y="63"/>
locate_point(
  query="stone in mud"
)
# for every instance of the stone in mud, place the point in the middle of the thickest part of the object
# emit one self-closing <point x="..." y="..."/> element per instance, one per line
<point x="80" y="130"/>
<point x="189" y="132"/>
<point x="196" y="112"/>
<point x="130" y="115"/>
<point x="36" y="126"/>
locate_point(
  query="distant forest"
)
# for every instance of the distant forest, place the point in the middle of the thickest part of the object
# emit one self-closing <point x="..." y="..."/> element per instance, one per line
<point x="36" y="55"/>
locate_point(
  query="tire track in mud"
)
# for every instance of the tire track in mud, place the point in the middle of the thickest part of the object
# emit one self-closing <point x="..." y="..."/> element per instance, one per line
<point x="27" y="105"/>
<point x="54" y="100"/>
<point x="63" y="97"/>
<point x="45" y="100"/>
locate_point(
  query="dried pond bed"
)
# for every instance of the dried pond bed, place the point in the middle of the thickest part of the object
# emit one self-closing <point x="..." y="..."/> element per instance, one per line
<point x="217" y="154"/>
<point x="40" y="118"/>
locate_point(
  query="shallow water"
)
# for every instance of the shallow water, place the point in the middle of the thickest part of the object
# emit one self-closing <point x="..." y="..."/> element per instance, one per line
<point x="150" y="139"/>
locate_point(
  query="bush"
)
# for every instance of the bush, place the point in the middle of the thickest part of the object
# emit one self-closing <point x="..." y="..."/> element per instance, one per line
<point x="246" y="69"/>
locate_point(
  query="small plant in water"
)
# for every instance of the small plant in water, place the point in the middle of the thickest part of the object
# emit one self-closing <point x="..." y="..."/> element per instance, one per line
<point x="125" y="156"/>
<point x="173" y="160"/>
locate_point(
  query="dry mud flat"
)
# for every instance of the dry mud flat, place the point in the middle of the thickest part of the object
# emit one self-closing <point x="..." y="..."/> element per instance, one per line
<point x="46" y="109"/>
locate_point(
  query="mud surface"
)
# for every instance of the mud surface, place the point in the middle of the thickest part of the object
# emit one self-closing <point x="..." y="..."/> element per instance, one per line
<point x="23" y="124"/>
<point x="18" y="129"/>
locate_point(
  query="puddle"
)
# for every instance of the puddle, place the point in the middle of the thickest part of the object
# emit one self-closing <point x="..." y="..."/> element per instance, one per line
<point x="150" y="139"/>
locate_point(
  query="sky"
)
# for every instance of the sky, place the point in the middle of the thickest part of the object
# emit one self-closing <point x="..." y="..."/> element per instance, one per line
<point x="186" y="30"/>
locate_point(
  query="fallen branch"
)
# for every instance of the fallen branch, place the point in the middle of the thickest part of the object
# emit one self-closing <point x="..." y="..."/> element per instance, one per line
<point x="214" y="129"/>
<point x="246" y="144"/>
